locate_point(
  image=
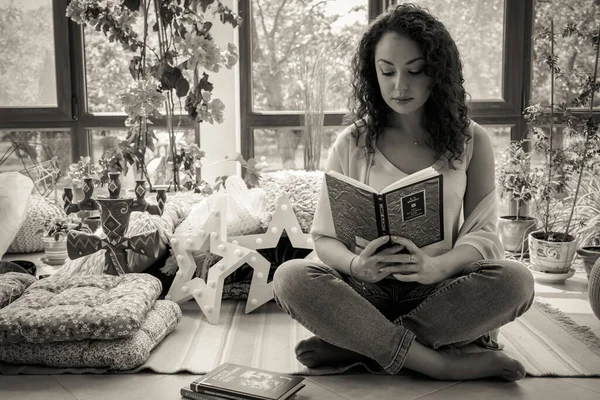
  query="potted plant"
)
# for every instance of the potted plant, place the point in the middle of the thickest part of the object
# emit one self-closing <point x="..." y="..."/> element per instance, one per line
<point x="55" y="237"/>
<point x="587" y="221"/>
<point x="516" y="179"/>
<point x="568" y="153"/>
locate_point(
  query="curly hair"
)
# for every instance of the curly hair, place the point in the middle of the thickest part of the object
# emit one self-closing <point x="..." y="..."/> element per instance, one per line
<point x="445" y="111"/>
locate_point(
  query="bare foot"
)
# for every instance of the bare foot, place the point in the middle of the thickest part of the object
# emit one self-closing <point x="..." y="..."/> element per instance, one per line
<point x="314" y="352"/>
<point x="449" y="363"/>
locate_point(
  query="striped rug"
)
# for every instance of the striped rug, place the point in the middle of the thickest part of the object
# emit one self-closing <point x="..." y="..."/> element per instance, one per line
<point x="544" y="340"/>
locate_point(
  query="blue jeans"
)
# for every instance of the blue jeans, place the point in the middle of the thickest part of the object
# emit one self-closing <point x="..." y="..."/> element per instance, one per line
<point x="381" y="320"/>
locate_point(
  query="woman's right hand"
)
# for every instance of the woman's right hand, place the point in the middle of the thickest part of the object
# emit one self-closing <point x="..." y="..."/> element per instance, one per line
<point x="365" y="267"/>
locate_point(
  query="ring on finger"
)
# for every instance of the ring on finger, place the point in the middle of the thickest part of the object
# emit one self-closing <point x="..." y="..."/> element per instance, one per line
<point x="412" y="259"/>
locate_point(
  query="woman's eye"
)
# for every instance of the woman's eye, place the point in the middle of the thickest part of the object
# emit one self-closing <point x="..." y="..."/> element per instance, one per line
<point x="387" y="73"/>
<point x="416" y="72"/>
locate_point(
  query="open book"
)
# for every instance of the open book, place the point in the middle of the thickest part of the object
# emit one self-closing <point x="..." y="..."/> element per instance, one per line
<point x="411" y="207"/>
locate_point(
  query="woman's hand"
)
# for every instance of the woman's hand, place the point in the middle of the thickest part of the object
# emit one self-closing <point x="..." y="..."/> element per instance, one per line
<point x="418" y="268"/>
<point x="366" y="266"/>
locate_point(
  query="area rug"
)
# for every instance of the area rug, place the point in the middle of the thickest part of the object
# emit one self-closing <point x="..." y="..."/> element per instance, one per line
<point x="547" y="342"/>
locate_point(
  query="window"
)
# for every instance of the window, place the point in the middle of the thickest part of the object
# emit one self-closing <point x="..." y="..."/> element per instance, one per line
<point x="282" y="37"/>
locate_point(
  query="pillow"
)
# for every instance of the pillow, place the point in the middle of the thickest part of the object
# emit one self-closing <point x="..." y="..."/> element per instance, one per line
<point x="116" y="354"/>
<point x="39" y="212"/>
<point x="12" y="286"/>
<point x="15" y="193"/>
<point x="303" y="189"/>
<point x="58" y="308"/>
<point x="176" y="209"/>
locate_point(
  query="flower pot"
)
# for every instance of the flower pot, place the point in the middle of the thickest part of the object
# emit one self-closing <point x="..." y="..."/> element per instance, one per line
<point x="551" y="257"/>
<point x="589" y="255"/>
<point x="56" y="250"/>
<point x="514" y="232"/>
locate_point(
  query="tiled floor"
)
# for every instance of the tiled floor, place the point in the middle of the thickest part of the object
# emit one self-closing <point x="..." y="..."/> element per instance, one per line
<point x="571" y="298"/>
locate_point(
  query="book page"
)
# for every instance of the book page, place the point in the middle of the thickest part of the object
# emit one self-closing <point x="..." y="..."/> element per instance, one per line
<point x="412" y="178"/>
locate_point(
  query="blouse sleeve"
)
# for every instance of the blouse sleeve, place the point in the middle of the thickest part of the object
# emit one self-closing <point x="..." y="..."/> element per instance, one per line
<point x="323" y="219"/>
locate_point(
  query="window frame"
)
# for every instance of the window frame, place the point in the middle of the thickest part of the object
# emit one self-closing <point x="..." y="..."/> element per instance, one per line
<point x="518" y="23"/>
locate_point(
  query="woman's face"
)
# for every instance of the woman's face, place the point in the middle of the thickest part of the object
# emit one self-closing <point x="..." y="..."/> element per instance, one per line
<point x="401" y="74"/>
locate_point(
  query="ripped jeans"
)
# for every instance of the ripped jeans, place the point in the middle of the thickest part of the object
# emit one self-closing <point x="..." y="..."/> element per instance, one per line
<point x="381" y="320"/>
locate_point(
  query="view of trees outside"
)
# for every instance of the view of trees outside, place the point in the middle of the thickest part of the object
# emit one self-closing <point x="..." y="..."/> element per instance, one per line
<point x="284" y="36"/>
<point x="288" y="33"/>
<point x="575" y="56"/>
<point x="27" y="65"/>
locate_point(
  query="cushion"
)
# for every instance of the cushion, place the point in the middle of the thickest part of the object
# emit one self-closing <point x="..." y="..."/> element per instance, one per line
<point x="15" y="194"/>
<point x="58" y="308"/>
<point x="12" y="286"/>
<point x="303" y="189"/>
<point x="244" y="210"/>
<point x="176" y="209"/>
<point x="116" y="354"/>
<point x="39" y="212"/>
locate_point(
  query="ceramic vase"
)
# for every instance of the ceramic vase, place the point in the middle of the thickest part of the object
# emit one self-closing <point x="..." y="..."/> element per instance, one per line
<point x="161" y="199"/>
<point x="140" y="192"/>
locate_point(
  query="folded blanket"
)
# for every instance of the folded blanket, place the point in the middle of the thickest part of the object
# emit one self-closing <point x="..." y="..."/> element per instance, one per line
<point x="59" y="308"/>
<point x="116" y="354"/>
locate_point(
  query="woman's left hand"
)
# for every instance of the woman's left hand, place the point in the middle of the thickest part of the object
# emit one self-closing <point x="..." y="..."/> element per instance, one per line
<point x="421" y="268"/>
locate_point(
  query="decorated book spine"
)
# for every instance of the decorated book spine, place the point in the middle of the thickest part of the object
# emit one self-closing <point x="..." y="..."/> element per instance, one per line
<point x="382" y="217"/>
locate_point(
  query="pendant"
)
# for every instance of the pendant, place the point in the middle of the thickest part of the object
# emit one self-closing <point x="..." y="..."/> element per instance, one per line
<point x="415" y="143"/>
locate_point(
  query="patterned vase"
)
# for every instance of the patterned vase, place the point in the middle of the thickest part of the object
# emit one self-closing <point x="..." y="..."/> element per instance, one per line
<point x="67" y="198"/>
<point x="161" y="199"/>
<point x="140" y="192"/>
<point x="114" y="185"/>
<point x="87" y="203"/>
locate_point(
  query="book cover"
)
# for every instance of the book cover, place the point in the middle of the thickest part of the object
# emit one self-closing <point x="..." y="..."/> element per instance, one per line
<point x="240" y="382"/>
<point x="411" y="207"/>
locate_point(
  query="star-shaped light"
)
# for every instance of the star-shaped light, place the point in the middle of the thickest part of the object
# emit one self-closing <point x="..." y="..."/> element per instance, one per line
<point x="235" y="252"/>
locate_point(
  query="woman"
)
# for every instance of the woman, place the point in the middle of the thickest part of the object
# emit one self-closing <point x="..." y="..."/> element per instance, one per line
<point x="436" y="310"/>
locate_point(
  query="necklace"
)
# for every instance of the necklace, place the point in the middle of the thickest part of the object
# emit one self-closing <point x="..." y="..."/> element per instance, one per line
<point x="415" y="141"/>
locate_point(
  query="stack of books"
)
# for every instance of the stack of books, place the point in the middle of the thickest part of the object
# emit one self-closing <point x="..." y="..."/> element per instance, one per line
<point x="238" y="382"/>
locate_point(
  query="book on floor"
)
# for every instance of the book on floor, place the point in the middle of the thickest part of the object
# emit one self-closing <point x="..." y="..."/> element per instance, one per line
<point x="411" y="207"/>
<point x="238" y="382"/>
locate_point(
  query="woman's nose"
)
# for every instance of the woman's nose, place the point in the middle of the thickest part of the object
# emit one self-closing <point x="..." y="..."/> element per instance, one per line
<point x="400" y="84"/>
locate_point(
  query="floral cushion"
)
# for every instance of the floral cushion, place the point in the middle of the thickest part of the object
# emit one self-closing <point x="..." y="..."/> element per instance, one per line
<point x="117" y="354"/>
<point x="12" y="286"/>
<point x="59" y="308"/>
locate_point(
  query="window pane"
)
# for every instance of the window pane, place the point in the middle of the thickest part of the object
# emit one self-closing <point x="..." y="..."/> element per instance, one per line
<point x="289" y="36"/>
<point x="575" y="55"/>
<point x="27" y="65"/>
<point x="283" y="147"/>
<point x="477" y="26"/>
<point x="159" y="170"/>
<point x="34" y="154"/>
